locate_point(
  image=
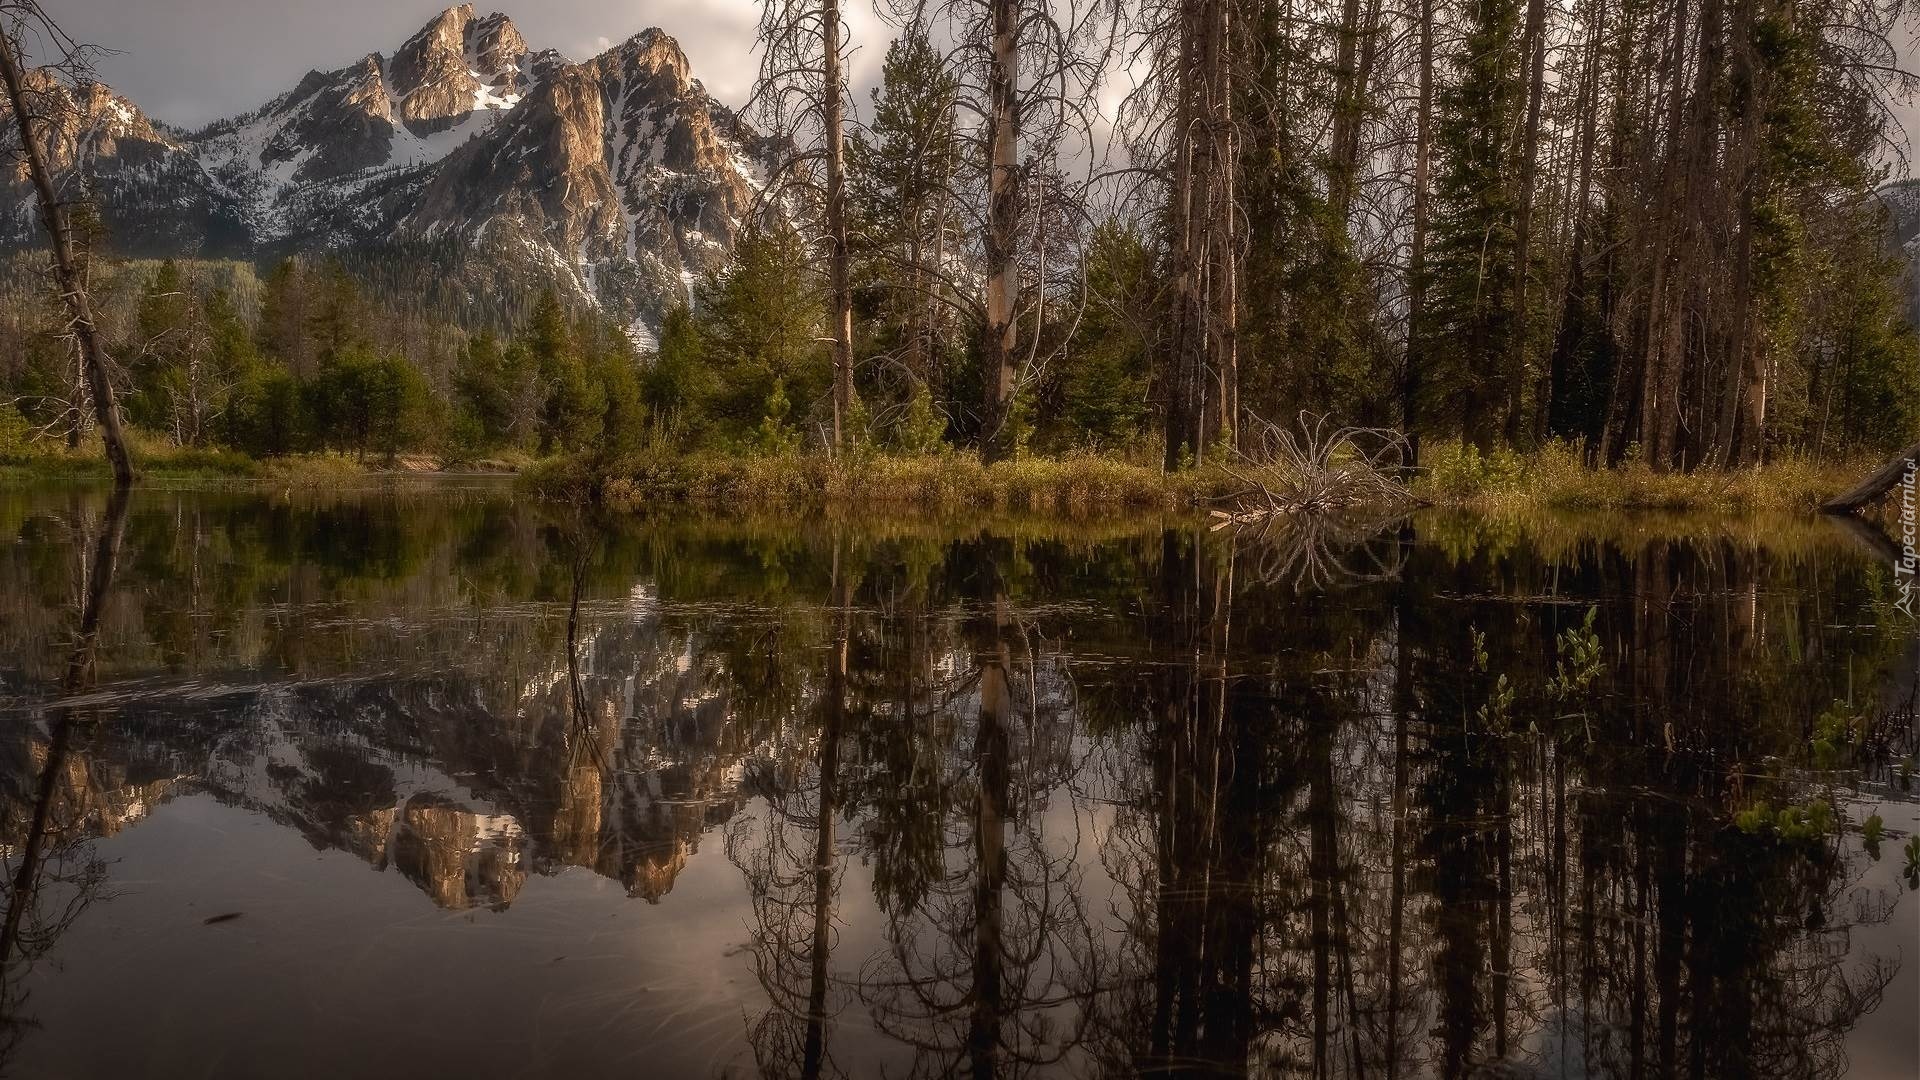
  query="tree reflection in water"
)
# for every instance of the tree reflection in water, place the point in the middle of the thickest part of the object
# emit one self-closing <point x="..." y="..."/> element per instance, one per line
<point x="1313" y="802"/>
<point x="53" y="870"/>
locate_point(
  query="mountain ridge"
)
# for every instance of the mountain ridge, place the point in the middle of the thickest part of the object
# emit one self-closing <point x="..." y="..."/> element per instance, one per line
<point x="617" y="178"/>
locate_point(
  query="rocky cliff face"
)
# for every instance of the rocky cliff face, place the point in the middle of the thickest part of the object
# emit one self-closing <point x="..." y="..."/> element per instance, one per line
<point x="145" y="180"/>
<point x="618" y="178"/>
<point x="621" y="169"/>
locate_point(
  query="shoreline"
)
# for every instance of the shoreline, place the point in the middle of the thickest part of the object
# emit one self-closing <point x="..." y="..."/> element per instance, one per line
<point x="1452" y="477"/>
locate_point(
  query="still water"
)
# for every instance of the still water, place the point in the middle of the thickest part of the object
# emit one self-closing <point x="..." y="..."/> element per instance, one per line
<point x="433" y="782"/>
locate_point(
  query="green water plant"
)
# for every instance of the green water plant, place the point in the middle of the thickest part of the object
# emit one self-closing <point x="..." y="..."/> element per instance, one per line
<point x="1870" y="832"/>
<point x="1801" y="821"/>
<point x="1836" y="736"/>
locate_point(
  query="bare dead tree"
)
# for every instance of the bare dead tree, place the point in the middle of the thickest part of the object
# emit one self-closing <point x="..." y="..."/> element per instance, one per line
<point x="801" y="94"/>
<point x="24" y="19"/>
<point x="1180" y="122"/>
<point x="1417" y="254"/>
<point x="1315" y="468"/>
<point x="1028" y="73"/>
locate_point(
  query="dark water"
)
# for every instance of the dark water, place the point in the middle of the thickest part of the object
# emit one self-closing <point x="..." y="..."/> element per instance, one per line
<point x="432" y="783"/>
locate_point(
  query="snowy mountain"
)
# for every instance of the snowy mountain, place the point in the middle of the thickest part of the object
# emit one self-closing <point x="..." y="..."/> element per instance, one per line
<point x="1901" y="199"/>
<point x="618" y="178"/>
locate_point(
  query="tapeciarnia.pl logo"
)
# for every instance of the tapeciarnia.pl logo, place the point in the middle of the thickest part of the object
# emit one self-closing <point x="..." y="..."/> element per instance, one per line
<point x="1903" y="568"/>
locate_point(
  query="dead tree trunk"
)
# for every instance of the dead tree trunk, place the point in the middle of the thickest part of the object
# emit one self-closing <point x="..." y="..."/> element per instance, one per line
<point x="841" y="285"/>
<point x="1203" y="386"/>
<point x="1534" y="47"/>
<point x="1417" y="252"/>
<point x="66" y="269"/>
<point x="1878" y="483"/>
<point x="1573" y="300"/>
<point x="1003" y="222"/>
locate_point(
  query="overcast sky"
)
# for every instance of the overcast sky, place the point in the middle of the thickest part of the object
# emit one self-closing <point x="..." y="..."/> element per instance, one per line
<point x="188" y="62"/>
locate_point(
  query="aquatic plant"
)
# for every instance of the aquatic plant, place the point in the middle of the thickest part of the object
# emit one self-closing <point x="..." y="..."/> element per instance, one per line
<point x="1807" y="820"/>
<point x="1870" y="831"/>
<point x="1836" y="736"/>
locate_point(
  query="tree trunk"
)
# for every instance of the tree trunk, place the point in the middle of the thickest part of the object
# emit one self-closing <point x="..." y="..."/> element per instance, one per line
<point x="1203" y="390"/>
<point x="1224" y="276"/>
<point x="842" y="287"/>
<point x="1878" y="483"/>
<point x="1417" y="255"/>
<point x="1534" y="48"/>
<point x="1740" y="432"/>
<point x="66" y="270"/>
<point x="1573" y="309"/>
<point x="1003" y="222"/>
<point x="1182" y="373"/>
<point x="1349" y="103"/>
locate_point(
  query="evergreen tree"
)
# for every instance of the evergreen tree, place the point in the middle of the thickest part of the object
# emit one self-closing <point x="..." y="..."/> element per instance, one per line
<point x="901" y="171"/>
<point x="1099" y="388"/>
<point x="338" y="317"/>
<point x="1473" y="262"/>
<point x="760" y="335"/>
<point x="364" y="401"/>
<point x="680" y="381"/>
<point x="284" y="303"/>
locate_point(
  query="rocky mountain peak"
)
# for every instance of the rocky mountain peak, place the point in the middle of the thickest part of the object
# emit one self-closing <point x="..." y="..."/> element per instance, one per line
<point x="456" y="64"/>
<point x="88" y="119"/>
<point x="655" y="52"/>
<point x="334" y="123"/>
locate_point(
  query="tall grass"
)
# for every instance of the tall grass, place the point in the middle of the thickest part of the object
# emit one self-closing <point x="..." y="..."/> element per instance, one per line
<point x="156" y="458"/>
<point x="1074" y="484"/>
<point x="1555" y="478"/>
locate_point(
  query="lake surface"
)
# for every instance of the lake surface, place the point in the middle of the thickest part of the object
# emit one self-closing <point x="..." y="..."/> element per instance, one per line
<point x="434" y="782"/>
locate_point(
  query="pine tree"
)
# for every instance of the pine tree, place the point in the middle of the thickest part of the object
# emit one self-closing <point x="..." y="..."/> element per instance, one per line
<point x="1102" y="379"/>
<point x="902" y="172"/>
<point x="1473" y="261"/>
<point x="760" y="329"/>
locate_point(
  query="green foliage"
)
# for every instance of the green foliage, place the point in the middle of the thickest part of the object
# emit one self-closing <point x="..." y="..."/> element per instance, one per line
<point x="364" y="401"/>
<point x="1469" y="331"/>
<point x="921" y="430"/>
<point x="1456" y="469"/>
<point x="268" y="417"/>
<point x="900" y="172"/>
<point x="1795" y="822"/>
<point x="679" y="382"/>
<point x="1580" y="662"/>
<point x="194" y="353"/>
<point x="1870" y="833"/>
<point x="1098" y="388"/>
<point x="1836" y="736"/>
<point x="488" y="390"/>
<point x="776" y="434"/>
<point x="759" y="338"/>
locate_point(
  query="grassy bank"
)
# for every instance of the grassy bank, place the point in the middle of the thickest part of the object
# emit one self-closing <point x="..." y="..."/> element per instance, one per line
<point x="1553" y="478"/>
<point x="1076" y="485"/>
<point x="156" y="458"/>
<point x="1080" y="485"/>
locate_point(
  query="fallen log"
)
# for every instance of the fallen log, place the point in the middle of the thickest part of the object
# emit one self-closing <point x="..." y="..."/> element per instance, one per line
<point x="1875" y="485"/>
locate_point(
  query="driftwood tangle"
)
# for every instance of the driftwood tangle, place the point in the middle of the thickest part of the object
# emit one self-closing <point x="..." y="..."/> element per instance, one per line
<point x="1875" y="485"/>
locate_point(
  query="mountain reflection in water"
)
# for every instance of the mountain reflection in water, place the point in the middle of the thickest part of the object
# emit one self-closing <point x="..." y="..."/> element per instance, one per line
<point x="433" y="781"/>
